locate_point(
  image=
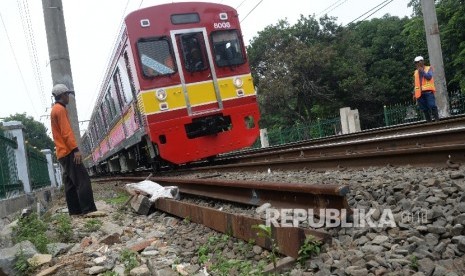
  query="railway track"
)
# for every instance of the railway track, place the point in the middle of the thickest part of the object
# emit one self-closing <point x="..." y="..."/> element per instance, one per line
<point x="416" y="144"/>
<point x="249" y="193"/>
<point x="436" y="144"/>
<point x="410" y="128"/>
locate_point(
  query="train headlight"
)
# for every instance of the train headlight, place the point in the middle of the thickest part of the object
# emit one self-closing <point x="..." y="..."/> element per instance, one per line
<point x="161" y="94"/>
<point x="238" y="82"/>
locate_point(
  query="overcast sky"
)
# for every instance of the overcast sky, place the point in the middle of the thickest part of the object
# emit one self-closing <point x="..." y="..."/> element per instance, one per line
<point x="92" y="26"/>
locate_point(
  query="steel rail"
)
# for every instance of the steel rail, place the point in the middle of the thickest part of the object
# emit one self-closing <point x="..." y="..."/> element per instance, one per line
<point x="420" y="156"/>
<point x="254" y="193"/>
<point x="418" y="127"/>
<point x="280" y="195"/>
<point x="387" y="143"/>
<point x="288" y="239"/>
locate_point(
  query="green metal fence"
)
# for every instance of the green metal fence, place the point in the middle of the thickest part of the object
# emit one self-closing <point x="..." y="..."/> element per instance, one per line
<point x="9" y="181"/>
<point x="402" y="113"/>
<point x="410" y="112"/>
<point x="318" y="129"/>
<point x="457" y="102"/>
<point x="38" y="169"/>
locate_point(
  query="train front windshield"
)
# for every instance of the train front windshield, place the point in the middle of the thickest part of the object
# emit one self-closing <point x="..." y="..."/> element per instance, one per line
<point x="156" y="58"/>
<point x="227" y="48"/>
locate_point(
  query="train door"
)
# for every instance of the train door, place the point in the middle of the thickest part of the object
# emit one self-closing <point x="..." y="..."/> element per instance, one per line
<point x="196" y="70"/>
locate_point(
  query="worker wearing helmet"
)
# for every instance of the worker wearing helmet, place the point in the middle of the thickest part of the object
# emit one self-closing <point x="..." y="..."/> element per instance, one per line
<point x="425" y="89"/>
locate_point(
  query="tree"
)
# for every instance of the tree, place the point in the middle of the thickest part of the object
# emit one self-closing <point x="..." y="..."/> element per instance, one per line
<point x="35" y="132"/>
<point x="451" y="18"/>
<point x="314" y="67"/>
<point x="292" y="68"/>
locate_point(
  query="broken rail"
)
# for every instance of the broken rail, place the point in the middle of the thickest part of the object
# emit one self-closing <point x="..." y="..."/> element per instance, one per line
<point x="253" y="193"/>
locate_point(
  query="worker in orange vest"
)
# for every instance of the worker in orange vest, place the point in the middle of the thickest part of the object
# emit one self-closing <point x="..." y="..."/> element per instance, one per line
<point x="425" y="89"/>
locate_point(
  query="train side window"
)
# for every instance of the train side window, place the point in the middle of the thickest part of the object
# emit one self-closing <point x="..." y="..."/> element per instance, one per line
<point x="110" y="103"/>
<point x="127" y="78"/>
<point x="227" y="48"/>
<point x="193" y="52"/>
<point x="103" y="121"/>
<point x="118" y="89"/>
<point x="155" y="57"/>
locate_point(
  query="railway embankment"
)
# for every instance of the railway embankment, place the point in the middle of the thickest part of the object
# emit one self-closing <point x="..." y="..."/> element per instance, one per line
<point x="422" y="232"/>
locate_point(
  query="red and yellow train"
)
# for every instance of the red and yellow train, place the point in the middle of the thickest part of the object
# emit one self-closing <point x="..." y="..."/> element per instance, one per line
<point x="178" y="89"/>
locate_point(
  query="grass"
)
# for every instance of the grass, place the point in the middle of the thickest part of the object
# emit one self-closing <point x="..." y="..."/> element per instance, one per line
<point x="210" y="254"/>
<point x="120" y="199"/>
<point x="31" y="228"/>
<point x="129" y="259"/>
<point x="93" y="225"/>
<point x="63" y="228"/>
<point x="309" y="248"/>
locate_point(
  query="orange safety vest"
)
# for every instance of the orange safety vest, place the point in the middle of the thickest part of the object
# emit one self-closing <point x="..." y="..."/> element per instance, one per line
<point x="426" y="85"/>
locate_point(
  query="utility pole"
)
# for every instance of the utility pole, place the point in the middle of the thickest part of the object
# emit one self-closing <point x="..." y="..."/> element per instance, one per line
<point x="435" y="56"/>
<point x="59" y="56"/>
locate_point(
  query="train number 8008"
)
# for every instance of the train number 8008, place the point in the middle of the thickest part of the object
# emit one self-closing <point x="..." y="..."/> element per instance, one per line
<point x="222" y="25"/>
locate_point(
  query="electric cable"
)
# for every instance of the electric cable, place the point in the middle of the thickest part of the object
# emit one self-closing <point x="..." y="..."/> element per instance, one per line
<point x="30" y="39"/>
<point x="240" y="4"/>
<point x="251" y="10"/>
<point x="382" y="4"/>
<point x="17" y="65"/>
<point x="330" y="6"/>
<point x="105" y="68"/>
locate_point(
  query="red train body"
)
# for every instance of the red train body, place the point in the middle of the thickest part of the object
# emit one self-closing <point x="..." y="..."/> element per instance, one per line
<point x="178" y="89"/>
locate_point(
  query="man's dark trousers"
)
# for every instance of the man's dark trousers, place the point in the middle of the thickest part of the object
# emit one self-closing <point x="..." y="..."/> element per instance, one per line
<point x="78" y="190"/>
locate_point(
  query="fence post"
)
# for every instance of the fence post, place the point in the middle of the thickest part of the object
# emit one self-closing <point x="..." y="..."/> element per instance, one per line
<point x="51" y="171"/>
<point x="57" y="172"/>
<point x="15" y="128"/>
<point x="344" y="113"/>
<point x="320" y="130"/>
<point x="264" y="138"/>
<point x="386" y="119"/>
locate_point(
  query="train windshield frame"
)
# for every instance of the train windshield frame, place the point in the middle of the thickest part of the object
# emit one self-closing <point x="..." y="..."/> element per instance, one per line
<point x="156" y="57"/>
<point x="193" y="50"/>
<point x="227" y="48"/>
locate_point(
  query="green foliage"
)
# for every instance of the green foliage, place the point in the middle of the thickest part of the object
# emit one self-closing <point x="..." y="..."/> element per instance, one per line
<point x="309" y="248"/>
<point x="202" y="253"/>
<point x="21" y="265"/>
<point x="64" y="228"/>
<point x="451" y="19"/>
<point x="187" y="220"/>
<point x="265" y="231"/>
<point x="414" y="262"/>
<point x="92" y="225"/>
<point x="33" y="229"/>
<point x="129" y="259"/>
<point x="120" y="199"/>
<point x="35" y="132"/>
<point x="211" y="252"/>
<point x="311" y="69"/>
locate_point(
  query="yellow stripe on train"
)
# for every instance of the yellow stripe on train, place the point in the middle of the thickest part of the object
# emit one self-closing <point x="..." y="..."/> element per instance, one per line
<point x="229" y="91"/>
<point x="199" y="93"/>
<point x="174" y="98"/>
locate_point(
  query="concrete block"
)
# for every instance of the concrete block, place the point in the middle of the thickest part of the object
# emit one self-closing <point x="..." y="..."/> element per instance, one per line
<point x="141" y="204"/>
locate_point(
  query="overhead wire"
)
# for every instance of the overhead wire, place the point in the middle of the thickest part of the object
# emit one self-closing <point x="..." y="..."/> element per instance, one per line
<point x="240" y="4"/>
<point x="17" y="65"/>
<point x="330" y="6"/>
<point x="30" y="39"/>
<point x="251" y="10"/>
<point x="380" y="5"/>
<point x="105" y="69"/>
